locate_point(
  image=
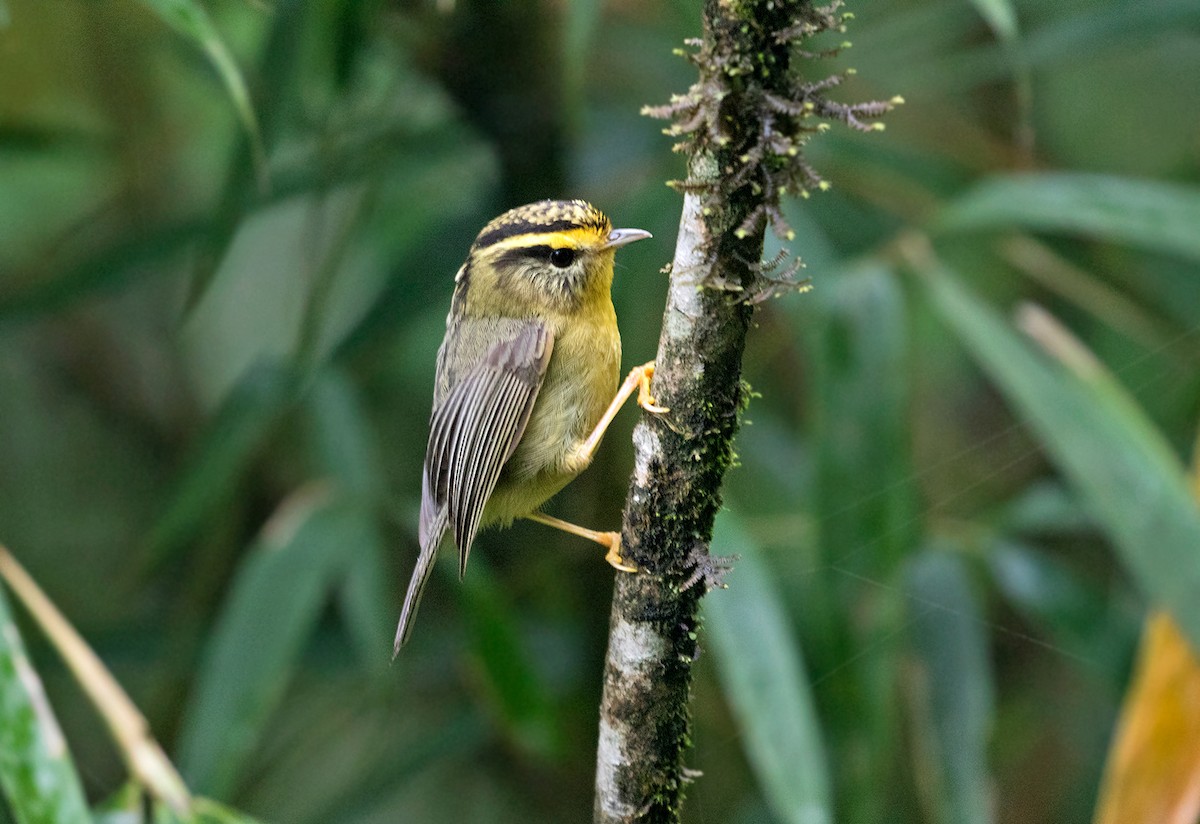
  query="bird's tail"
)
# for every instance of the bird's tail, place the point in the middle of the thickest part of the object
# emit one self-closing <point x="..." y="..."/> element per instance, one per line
<point x="431" y="537"/>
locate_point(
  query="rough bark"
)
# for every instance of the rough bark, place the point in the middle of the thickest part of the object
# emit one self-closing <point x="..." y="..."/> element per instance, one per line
<point x="743" y="125"/>
<point x="680" y="461"/>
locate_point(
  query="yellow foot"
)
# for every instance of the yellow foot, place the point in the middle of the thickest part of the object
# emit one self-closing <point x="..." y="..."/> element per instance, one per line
<point x="613" y="541"/>
<point x="645" y="400"/>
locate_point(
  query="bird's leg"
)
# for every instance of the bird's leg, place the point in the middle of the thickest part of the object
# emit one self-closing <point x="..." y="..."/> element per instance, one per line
<point x="639" y="379"/>
<point x="612" y="540"/>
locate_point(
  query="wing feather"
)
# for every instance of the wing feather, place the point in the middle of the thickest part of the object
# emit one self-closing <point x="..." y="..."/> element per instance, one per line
<point x="477" y="436"/>
<point x="487" y="459"/>
<point x="473" y="432"/>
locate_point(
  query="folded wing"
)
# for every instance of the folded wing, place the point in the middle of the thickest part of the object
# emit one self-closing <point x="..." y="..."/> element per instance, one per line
<point x="473" y="431"/>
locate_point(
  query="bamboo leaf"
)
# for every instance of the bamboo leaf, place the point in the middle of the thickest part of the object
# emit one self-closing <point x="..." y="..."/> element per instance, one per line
<point x="1078" y="36"/>
<point x="366" y="604"/>
<point x="762" y="675"/>
<point x="1118" y="463"/>
<point x="1044" y="508"/>
<point x="1000" y="15"/>
<point x="344" y="443"/>
<point x="345" y="450"/>
<point x="515" y="688"/>
<point x="953" y="692"/>
<point x="37" y="775"/>
<point x="210" y="477"/>
<point x="864" y="489"/>
<point x="207" y="811"/>
<point x="278" y="63"/>
<point x="864" y="505"/>
<point x="582" y="20"/>
<point x="1081" y="622"/>
<point x="125" y="806"/>
<point x="276" y="599"/>
<point x="1154" y="765"/>
<point x="1146" y="214"/>
<point x="260" y="304"/>
<point x="191" y="20"/>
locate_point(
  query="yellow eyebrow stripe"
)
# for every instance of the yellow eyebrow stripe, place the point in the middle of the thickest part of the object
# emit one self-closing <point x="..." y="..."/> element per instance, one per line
<point x="571" y="239"/>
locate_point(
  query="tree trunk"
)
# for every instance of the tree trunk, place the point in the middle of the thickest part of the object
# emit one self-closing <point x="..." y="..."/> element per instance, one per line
<point x="743" y="125"/>
<point x="680" y="460"/>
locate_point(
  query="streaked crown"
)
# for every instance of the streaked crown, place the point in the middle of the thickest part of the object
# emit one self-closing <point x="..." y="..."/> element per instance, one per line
<point x="575" y="220"/>
<point x="549" y="256"/>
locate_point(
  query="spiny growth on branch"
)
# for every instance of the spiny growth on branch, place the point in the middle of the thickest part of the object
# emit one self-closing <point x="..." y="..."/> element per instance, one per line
<point x="753" y="111"/>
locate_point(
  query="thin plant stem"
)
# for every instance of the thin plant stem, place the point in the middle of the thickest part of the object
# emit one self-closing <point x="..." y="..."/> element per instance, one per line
<point x="143" y="755"/>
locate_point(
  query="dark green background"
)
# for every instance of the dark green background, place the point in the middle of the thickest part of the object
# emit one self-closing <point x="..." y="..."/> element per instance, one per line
<point x="215" y="377"/>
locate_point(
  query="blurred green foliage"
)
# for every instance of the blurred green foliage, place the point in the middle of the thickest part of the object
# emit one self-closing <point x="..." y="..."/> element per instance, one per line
<point x="228" y="232"/>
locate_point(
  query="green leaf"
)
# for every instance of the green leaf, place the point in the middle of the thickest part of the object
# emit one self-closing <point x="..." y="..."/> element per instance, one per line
<point x="758" y="660"/>
<point x="346" y="451"/>
<point x="368" y="606"/>
<point x="1081" y="36"/>
<point x="582" y="20"/>
<point x="1120" y="466"/>
<point x="343" y="441"/>
<point x="277" y="596"/>
<point x="57" y="181"/>
<point x="204" y="811"/>
<point x="864" y="498"/>
<point x="1044" y="508"/>
<point x="953" y="694"/>
<point x="259" y="304"/>
<point x="36" y="772"/>
<point x="1146" y="214"/>
<point x="1000" y="15"/>
<point x="125" y="806"/>
<point x="207" y="811"/>
<point x="210" y="477"/>
<point x="275" y="75"/>
<point x="163" y="814"/>
<point x="190" y="19"/>
<point x="374" y="154"/>
<point x="1081" y="619"/>
<point x="864" y="488"/>
<point x="517" y="691"/>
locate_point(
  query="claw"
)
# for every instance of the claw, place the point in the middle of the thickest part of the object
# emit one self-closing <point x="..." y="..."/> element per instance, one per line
<point x="645" y="399"/>
<point x="614" y="553"/>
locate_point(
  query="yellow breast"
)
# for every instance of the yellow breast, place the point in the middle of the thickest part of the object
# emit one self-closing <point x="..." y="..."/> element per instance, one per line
<point x="581" y="380"/>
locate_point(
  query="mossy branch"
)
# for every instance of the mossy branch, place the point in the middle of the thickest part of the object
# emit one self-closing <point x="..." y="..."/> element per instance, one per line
<point x="743" y="125"/>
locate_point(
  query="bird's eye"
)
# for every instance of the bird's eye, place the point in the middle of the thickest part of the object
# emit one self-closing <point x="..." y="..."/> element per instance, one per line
<point x="562" y="258"/>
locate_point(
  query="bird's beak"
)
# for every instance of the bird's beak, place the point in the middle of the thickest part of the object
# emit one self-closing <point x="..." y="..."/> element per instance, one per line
<point x="623" y="237"/>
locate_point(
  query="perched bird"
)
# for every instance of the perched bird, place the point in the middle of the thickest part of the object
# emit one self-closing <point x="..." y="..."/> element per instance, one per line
<point x="525" y="379"/>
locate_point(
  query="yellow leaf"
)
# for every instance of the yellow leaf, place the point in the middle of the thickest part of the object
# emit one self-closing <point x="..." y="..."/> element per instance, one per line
<point x="1153" y="772"/>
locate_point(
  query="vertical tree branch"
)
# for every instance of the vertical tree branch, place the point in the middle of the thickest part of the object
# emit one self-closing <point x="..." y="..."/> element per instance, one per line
<point x="743" y="125"/>
<point x="680" y="461"/>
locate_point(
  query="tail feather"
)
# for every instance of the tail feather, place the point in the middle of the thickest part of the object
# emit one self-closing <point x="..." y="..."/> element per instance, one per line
<point x="431" y="537"/>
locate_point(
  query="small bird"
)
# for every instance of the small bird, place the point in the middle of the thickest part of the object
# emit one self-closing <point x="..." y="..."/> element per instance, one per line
<point x="525" y="380"/>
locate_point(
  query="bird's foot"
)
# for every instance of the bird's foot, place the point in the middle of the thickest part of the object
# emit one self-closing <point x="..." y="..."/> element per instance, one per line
<point x="613" y="541"/>
<point x="647" y="401"/>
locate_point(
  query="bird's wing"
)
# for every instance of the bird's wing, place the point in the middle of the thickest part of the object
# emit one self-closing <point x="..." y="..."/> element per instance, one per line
<point x="478" y="425"/>
<point x="473" y="431"/>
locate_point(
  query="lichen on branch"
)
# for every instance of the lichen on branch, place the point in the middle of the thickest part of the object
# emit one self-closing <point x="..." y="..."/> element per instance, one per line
<point x="754" y="110"/>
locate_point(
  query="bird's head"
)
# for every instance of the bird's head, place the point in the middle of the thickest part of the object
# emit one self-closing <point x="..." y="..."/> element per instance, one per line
<point x="553" y="254"/>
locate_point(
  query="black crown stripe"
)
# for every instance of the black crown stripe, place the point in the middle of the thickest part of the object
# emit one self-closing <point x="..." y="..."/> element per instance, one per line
<point x="522" y="227"/>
